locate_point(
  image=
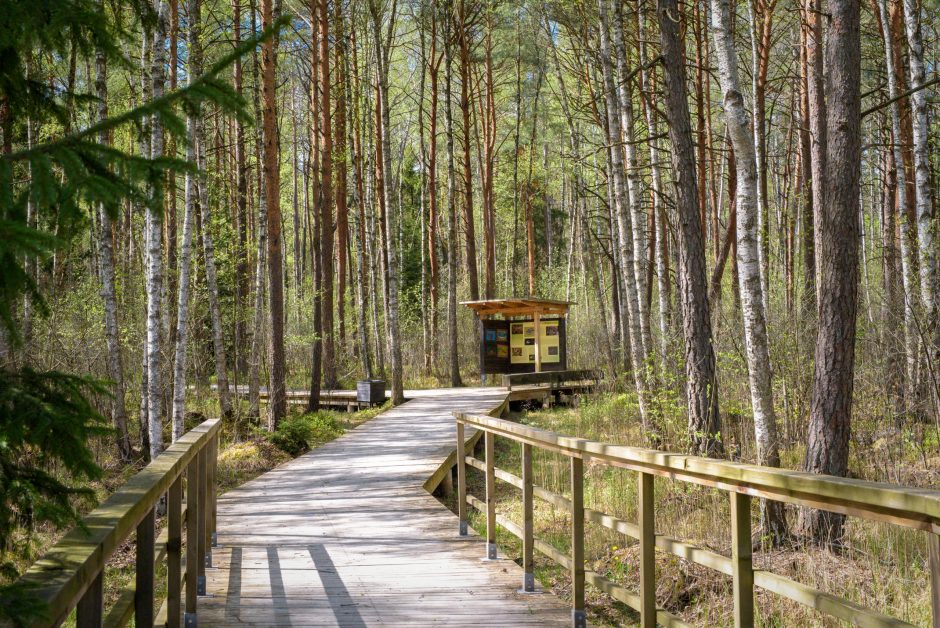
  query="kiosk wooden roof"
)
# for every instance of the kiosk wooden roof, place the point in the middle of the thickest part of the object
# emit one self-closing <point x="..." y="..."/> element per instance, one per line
<point x="522" y="306"/>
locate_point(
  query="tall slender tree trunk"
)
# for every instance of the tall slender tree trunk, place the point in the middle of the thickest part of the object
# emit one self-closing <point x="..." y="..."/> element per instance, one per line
<point x="277" y="397"/>
<point x="242" y="266"/>
<point x="325" y="196"/>
<point x="340" y="169"/>
<point x="463" y="42"/>
<point x="452" y="254"/>
<point x="833" y="379"/>
<point x="191" y="199"/>
<point x="433" y="245"/>
<point x="107" y="276"/>
<point x="926" y="221"/>
<point x="901" y="189"/>
<point x="702" y="382"/>
<point x="620" y="195"/>
<point x="739" y="126"/>
<point x="383" y="46"/>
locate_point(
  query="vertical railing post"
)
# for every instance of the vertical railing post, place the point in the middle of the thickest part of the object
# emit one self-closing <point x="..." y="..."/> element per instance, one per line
<point x="174" y="547"/>
<point x="143" y="591"/>
<point x="528" y="532"/>
<point x="90" y="610"/>
<point x="742" y="568"/>
<point x="578" y="616"/>
<point x="933" y="553"/>
<point x="490" y="444"/>
<point x="213" y="493"/>
<point x="192" y="541"/>
<point x="201" y="518"/>
<point x="647" y="550"/>
<point x="461" y="479"/>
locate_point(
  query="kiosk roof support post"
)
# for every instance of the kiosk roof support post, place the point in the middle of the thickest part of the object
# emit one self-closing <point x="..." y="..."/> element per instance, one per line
<point x="537" y="319"/>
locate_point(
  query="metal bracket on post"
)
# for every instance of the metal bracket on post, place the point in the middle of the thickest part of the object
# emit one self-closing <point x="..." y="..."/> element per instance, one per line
<point x="578" y="619"/>
<point x="491" y="551"/>
<point x="215" y="539"/>
<point x="189" y="620"/>
<point x="201" y="585"/>
<point x="528" y="583"/>
<point x="208" y="559"/>
<point x="463" y="528"/>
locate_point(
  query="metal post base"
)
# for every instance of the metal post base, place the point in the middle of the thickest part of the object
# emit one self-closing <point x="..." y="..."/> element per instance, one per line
<point x="528" y="583"/>
<point x="200" y="585"/>
<point x="215" y="539"/>
<point x="491" y="551"/>
<point x="578" y="619"/>
<point x="189" y="620"/>
<point x="463" y="528"/>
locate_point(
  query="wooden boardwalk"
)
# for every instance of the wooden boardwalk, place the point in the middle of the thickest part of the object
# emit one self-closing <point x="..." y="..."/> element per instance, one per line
<point x="346" y="535"/>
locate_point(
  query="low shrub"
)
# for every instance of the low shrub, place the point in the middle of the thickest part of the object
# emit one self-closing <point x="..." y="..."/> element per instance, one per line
<point x="300" y="433"/>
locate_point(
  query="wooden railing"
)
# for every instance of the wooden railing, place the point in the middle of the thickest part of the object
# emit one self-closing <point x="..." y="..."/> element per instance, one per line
<point x="554" y="379"/>
<point x="918" y="509"/>
<point x="71" y="575"/>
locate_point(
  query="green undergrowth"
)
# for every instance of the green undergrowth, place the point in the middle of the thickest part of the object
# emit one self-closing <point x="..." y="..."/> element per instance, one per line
<point x="882" y="567"/>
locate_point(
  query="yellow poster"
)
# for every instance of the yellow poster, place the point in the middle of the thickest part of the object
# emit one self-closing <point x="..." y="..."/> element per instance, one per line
<point x="522" y="342"/>
<point x="550" y="342"/>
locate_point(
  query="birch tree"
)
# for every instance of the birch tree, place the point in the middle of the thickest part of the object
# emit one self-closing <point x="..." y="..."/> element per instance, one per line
<point x="739" y="126"/>
<point x="154" y="241"/>
<point x="107" y="278"/>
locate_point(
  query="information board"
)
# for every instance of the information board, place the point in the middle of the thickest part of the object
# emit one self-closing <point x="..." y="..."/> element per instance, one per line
<point x="509" y="346"/>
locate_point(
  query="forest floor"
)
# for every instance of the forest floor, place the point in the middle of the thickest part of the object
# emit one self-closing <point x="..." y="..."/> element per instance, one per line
<point x="882" y="567"/>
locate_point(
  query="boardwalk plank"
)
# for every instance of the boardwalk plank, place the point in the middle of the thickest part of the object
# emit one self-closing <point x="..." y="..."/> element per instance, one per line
<point x="346" y="536"/>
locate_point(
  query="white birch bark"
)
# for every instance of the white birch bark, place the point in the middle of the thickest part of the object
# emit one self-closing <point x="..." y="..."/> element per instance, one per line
<point x="755" y="332"/>
<point x="107" y="278"/>
<point x="907" y="267"/>
<point x="154" y="232"/>
<point x="926" y="224"/>
<point x="624" y="217"/>
<point x="739" y="126"/>
<point x="185" y="278"/>
<point x="662" y="275"/>
<point x="634" y="193"/>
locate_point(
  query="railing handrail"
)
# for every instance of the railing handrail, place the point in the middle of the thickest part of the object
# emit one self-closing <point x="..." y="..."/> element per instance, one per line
<point x="63" y="575"/>
<point x="913" y="508"/>
<point x="916" y="508"/>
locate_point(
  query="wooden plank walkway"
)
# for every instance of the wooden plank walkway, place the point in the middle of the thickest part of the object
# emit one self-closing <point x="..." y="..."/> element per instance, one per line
<point x="346" y="536"/>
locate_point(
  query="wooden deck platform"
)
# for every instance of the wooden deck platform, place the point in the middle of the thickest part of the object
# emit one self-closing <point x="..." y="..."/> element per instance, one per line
<point x="346" y="535"/>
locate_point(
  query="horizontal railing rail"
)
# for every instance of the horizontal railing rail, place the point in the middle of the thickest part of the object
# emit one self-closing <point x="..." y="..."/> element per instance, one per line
<point x="71" y="575"/>
<point x="912" y="508"/>
<point x="551" y="378"/>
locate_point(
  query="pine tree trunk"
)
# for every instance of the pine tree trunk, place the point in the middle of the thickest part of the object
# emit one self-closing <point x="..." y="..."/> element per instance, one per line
<point x="702" y="382"/>
<point x="277" y="398"/>
<point x="452" y="254"/>
<point x="838" y="231"/>
<point x="383" y="45"/>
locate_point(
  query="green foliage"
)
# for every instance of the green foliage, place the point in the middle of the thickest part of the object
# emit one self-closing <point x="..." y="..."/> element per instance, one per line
<point x="46" y="192"/>
<point x="300" y="433"/>
<point x="46" y="421"/>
